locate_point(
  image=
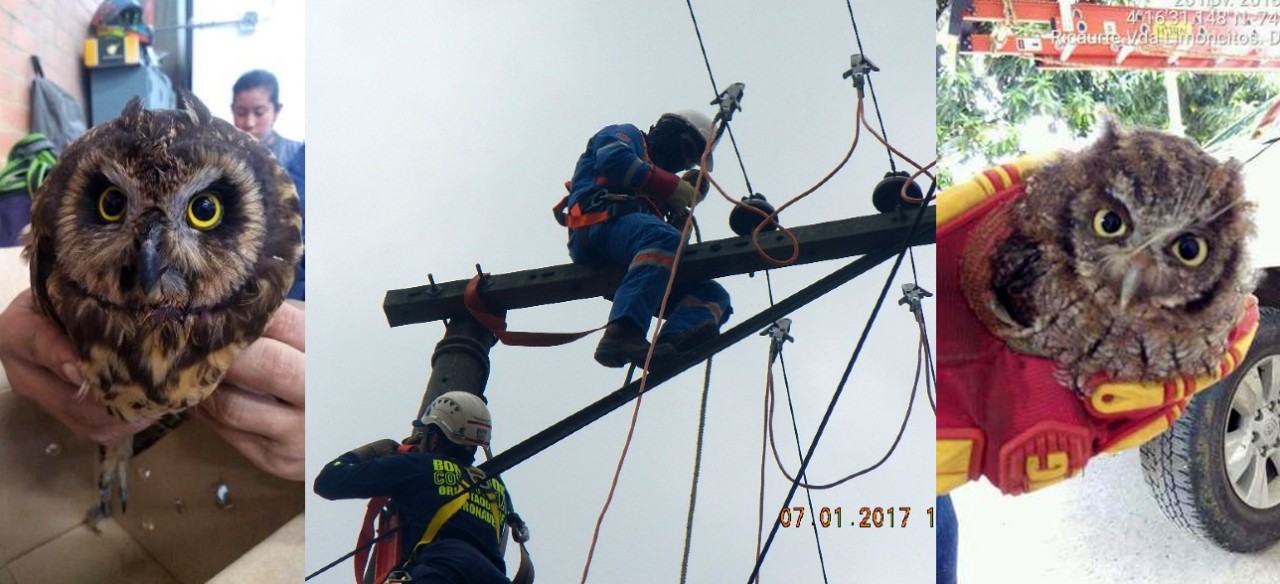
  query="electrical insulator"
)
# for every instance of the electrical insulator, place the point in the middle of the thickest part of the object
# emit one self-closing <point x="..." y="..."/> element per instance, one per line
<point x="887" y="196"/>
<point x="743" y="221"/>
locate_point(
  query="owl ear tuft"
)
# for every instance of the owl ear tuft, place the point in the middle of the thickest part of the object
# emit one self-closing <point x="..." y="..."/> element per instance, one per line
<point x="132" y="112"/>
<point x="1228" y="176"/>
<point x="188" y="102"/>
<point x="1112" y="130"/>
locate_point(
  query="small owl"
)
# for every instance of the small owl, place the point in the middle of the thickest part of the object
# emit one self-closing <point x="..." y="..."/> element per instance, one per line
<point x="1125" y="259"/>
<point x="162" y="242"/>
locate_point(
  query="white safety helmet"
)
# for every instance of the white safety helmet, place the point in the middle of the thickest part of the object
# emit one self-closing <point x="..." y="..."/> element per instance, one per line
<point x="698" y="123"/>
<point x="461" y="416"/>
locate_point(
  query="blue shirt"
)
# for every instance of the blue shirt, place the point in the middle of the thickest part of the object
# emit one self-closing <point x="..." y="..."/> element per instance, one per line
<point x="616" y="160"/>
<point x="283" y="148"/>
<point x="419" y="484"/>
<point x="297" y="169"/>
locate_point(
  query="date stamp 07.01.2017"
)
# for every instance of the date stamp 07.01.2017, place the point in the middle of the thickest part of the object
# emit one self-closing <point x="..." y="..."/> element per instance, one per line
<point x="866" y="517"/>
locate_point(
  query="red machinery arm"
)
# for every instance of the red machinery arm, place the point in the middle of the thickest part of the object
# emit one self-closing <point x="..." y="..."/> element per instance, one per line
<point x="1083" y="35"/>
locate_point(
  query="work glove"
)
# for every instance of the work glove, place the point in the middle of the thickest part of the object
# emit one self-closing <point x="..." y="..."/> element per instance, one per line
<point x="519" y="530"/>
<point x="376" y="449"/>
<point x="678" y="217"/>
<point x="682" y="196"/>
<point x="691" y="176"/>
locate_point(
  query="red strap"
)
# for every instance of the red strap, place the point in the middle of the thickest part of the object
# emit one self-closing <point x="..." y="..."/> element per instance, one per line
<point x="386" y="553"/>
<point x="577" y="219"/>
<point x="498" y="325"/>
<point x="558" y="211"/>
<point x="524" y="574"/>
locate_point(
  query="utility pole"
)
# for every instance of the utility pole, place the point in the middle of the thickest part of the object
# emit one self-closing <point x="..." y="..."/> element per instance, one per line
<point x="461" y="359"/>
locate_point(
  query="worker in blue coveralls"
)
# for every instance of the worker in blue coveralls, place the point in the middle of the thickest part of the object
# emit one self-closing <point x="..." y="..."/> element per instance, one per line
<point x="623" y="192"/>
<point x="446" y="539"/>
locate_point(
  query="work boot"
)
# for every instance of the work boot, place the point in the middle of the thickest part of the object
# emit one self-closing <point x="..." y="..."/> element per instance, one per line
<point x="684" y="341"/>
<point x="620" y="344"/>
<point x="624" y="343"/>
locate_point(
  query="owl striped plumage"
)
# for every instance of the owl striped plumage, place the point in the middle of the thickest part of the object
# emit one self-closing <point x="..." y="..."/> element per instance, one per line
<point x="1125" y="260"/>
<point x="162" y="242"/>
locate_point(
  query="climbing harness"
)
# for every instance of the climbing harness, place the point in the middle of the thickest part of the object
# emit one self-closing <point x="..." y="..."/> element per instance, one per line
<point x="381" y="517"/>
<point x="602" y="207"/>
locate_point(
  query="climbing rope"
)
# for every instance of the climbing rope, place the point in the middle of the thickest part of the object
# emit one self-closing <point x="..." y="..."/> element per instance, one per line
<point x="697" y="471"/>
<point x="760" y="506"/>
<point x="617" y="472"/>
<point x="697" y="456"/>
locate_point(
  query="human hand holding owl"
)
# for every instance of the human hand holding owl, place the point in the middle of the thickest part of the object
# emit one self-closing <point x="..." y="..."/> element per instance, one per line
<point x="40" y="362"/>
<point x="266" y="427"/>
<point x="259" y="408"/>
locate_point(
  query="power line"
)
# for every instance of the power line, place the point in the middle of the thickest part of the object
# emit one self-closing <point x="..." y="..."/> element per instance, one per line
<point x="715" y="89"/>
<point x="911" y="400"/>
<point x="795" y="428"/>
<point x="822" y="426"/>
<point x="871" y="86"/>
<point x="769" y="281"/>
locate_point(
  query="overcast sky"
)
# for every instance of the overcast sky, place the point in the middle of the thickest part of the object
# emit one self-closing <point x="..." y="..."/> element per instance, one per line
<point x="440" y="136"/>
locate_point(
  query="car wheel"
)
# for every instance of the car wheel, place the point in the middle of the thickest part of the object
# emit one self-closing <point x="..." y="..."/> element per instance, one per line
<point x="1217" y="471"/>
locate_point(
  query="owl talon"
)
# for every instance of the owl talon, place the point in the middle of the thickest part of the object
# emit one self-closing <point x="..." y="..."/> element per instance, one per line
<point x="113" y="476"/>
<point x="122" y="475"/>
<point x="95" y="516"/>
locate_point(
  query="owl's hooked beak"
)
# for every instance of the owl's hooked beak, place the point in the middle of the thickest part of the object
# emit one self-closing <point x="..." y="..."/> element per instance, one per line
<point x="1129" y="285"/>
<point x="150" y="263"/>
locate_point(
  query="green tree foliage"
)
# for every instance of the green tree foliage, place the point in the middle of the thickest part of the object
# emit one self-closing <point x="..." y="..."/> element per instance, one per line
<point x="982" y="100"/>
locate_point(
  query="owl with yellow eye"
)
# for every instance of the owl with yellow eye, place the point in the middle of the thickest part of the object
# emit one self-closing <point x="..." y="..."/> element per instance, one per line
<point x="1127" y="259"/>
<point x="162" y="242"/>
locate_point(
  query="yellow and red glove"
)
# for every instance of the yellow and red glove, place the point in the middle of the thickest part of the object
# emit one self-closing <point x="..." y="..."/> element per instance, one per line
<point x="1003" y="414"/>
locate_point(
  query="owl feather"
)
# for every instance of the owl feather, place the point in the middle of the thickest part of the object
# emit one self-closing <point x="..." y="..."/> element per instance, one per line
<point x="162" y="242"/>
<point x="1125" y="260"/>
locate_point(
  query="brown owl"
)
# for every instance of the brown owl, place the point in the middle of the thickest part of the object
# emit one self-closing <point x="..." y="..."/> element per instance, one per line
<point x="162" y="242"/>
<point x="1126" y="259"/>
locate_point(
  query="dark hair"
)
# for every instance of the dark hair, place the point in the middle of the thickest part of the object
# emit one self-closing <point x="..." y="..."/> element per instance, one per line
<point x="255" y="79"/>
<point x="464" y="454"/>
<point x="675" y="145"/>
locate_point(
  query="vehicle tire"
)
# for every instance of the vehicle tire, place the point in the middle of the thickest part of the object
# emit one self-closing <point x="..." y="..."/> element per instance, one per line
<point x="1233" y="501"/>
